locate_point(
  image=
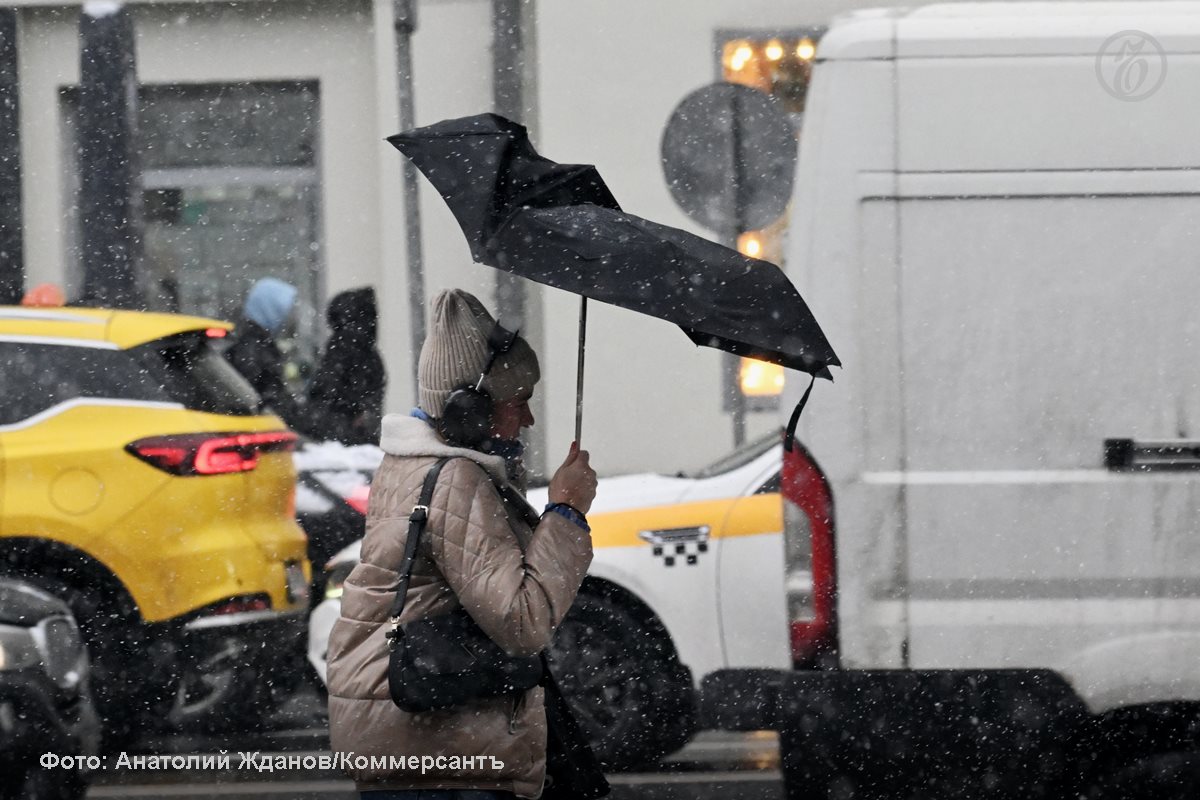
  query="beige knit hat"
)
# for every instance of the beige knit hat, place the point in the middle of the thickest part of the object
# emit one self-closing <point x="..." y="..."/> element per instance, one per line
<point x="456" y="351"/>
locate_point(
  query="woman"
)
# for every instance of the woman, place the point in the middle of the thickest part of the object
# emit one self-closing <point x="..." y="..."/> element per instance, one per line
<point x="480" y="551"/>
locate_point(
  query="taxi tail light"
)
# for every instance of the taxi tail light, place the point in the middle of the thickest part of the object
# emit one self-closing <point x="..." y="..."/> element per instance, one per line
<point x="809" y="560"/>
<point x="238" y="605"/>
<point x="209" y="453"/>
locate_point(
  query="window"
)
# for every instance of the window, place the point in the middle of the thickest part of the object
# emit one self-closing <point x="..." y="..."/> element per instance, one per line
<point x="191" y="372"/>
<point x="778" y="64"/>
<point x="36" y="377"/>
<point x="265" y="124"/>
<point x="231" y="195"/>
<point x="741" y="456"/>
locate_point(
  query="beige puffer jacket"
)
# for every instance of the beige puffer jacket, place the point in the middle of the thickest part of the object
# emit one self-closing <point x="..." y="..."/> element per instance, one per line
<point x="478" y="552"/>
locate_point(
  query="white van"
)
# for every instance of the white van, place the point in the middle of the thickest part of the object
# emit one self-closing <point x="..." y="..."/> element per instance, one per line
<point x="997" y="221"/>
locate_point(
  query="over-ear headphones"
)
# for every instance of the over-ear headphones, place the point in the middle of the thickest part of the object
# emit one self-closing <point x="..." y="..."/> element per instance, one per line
<point x="467" y="418"/>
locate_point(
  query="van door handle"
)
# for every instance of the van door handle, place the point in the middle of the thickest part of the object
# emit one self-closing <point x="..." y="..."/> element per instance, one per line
<point x="1130" y="455"/>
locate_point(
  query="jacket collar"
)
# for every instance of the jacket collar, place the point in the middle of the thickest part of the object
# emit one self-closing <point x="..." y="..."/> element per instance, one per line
<point x="404" y="435"/>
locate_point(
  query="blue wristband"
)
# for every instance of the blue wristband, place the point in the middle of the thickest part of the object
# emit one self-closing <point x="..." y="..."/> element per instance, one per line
<point x="564" y="510"/>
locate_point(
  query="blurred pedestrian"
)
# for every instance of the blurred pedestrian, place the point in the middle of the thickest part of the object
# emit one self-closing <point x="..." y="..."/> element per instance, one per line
<point x="267" y="311"/>
<point x="345" y="396"/>
<point x="514" y="571"/>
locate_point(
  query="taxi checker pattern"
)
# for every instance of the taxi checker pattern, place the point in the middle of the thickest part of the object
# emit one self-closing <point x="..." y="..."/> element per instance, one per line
<point x="674" y="543"/>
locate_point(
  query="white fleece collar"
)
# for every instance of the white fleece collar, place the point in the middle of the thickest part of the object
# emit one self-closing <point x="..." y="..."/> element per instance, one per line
<point x="405" y="435"/>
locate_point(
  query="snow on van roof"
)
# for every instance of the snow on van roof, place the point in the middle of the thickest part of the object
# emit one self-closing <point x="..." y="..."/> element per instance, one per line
<point x="1007" y="29"/>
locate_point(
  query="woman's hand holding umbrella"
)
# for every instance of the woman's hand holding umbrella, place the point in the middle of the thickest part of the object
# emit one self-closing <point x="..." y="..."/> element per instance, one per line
<point x="574" y="483"/>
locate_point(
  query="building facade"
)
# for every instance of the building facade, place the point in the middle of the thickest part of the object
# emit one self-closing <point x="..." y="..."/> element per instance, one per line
<point x="263" y="153"/>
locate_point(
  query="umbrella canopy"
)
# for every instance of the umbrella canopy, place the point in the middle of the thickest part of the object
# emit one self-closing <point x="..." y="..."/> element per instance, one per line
<point x="559" y="224"/>
<point x="486" y="170"/>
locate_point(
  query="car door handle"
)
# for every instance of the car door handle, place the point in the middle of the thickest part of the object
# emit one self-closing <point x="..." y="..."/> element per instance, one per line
<point x="661" y="536"/>
<point x="1130" y="455"/>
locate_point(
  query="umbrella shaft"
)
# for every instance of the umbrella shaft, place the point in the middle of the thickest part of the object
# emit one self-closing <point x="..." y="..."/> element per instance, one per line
<point x="579" y="370"/>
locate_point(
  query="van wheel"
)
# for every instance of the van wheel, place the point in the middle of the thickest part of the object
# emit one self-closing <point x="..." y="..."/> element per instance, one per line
<point x="631" y="696"/>
<point x="1163" y="776"/>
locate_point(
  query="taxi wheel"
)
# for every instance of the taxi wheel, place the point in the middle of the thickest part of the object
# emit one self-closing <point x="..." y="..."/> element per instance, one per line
<point x="630" y="695"/>
<point x="205" y="696"/>
<point x="1162" y="776"/>
<point x="222" y="692"/>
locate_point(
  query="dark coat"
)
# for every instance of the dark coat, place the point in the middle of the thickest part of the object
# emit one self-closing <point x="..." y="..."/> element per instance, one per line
<point x="256" y="356"/>
<point x="345" y="397"/>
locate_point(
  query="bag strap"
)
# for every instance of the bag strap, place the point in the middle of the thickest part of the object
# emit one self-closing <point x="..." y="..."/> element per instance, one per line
<point x="517" y="501"/>
<point x="416" y="526"/>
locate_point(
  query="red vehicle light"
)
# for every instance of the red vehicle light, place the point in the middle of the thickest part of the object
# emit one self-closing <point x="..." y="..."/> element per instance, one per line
<point x="239" y="605"/>
<point x="811" y="567"/>
<point x="359" y="498"/>
<point x="209" y="453"/>
<point x="216" y="333"/>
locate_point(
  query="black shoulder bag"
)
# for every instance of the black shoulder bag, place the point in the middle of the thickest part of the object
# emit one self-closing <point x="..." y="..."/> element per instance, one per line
<point x="572" y="770"/>
<point x="446" y="660"/>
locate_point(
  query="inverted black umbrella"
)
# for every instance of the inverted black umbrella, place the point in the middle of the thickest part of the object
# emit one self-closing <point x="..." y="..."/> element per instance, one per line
<point x="558" y="224"/>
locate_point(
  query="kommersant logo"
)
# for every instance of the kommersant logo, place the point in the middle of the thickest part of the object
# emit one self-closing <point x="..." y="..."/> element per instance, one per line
<point x="1131" y="65"/>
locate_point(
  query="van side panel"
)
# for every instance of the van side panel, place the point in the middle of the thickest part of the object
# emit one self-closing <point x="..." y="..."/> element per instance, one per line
<point x="1048" y="275"/>
<point x="1043" y="112"/>
<point x="1035" y="328"/>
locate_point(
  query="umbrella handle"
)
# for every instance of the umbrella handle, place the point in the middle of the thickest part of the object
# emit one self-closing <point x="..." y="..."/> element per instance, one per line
<point x="579" y="370"/>
<point x="790" y="437"/>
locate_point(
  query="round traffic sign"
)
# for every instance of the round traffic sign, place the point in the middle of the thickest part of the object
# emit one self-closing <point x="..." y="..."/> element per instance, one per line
<point x="729" y="154"/>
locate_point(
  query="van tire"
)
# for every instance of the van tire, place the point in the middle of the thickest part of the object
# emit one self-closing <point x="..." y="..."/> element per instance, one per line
<point x="631" y="696"/>
<point x="1163" y="776"/>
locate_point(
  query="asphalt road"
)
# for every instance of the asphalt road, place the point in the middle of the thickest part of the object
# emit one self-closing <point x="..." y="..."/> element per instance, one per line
<point x="725" y="766"/>
<point x="715" y="765"/>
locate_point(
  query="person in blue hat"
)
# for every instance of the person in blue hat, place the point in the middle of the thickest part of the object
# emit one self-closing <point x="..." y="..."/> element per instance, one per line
<point x="268" y="308"/>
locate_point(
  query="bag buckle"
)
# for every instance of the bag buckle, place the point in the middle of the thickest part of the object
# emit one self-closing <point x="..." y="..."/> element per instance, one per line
<point x="423" y="511"/>
<point x="394" y="634"/>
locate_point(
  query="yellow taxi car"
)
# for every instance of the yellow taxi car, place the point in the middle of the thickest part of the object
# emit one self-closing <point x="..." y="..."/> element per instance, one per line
<point x="144" y="485"/>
